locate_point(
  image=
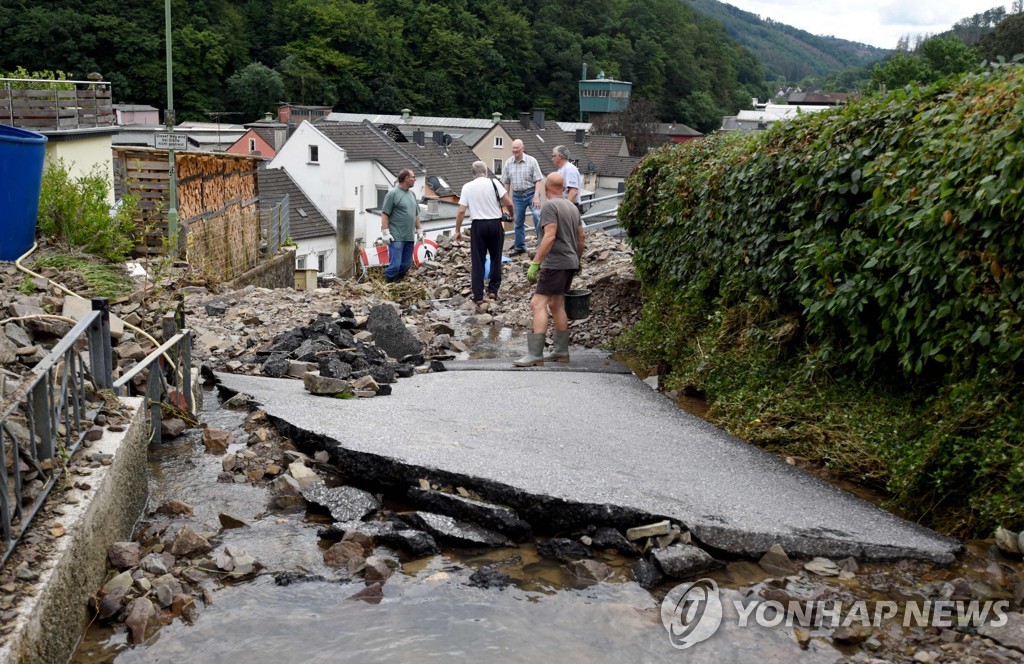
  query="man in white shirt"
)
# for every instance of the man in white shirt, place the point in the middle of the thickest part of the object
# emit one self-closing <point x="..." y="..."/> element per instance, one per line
<point x="570" y="174"/>
<point x="483" y="198"/>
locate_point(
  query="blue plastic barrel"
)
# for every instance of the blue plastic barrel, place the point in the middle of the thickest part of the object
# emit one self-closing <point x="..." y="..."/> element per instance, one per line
<point x="21" y="176"/>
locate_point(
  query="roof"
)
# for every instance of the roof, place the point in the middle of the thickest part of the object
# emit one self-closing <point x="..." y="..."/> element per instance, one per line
<point x="453" y="164"/>
<point x="210" y="126"/>
<point x="305" y="218"/>
<point x="133" y="107"/>
<point x="364" y="142"/>
<point x="573" y="126"/>
<point x="826" y="98"/>
<point x="266" y="133"/>
<point x="675" y="129"/>
<point x="538" y="143"/>
<point x="421" y="120"/>
<point x="618" y="167"/>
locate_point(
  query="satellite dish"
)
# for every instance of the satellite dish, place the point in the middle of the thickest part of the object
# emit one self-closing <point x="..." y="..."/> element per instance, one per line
<point x="447" y="140"/>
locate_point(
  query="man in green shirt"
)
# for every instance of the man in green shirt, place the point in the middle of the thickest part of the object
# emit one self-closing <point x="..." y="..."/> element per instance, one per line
<point x="400" y="226"/>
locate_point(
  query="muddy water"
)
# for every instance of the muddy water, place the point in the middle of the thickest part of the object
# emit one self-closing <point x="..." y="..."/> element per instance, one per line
<point x="428" y="613"/>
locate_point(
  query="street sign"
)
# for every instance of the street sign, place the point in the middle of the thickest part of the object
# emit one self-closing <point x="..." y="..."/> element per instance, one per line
<point x="169" y="141"/>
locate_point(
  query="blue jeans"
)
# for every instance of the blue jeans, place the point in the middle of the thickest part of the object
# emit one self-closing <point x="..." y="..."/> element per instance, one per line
<point x="520" y="201"/>
<point x="399" y="259"/>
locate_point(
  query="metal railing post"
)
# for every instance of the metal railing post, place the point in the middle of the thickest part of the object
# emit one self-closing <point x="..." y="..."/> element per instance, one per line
<point x="42" y="418"/>
<point x="186" y="371"/>
<point x="153" y="394"/>
<point x="100" y="352"/>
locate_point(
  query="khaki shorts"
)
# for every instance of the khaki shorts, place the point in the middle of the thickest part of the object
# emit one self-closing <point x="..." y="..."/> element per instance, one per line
<point x="554" y="282"/>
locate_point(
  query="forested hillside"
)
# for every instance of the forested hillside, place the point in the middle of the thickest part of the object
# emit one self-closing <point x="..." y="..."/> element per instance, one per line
<point x="460" y="57"/>
<point x="787" y="53"/>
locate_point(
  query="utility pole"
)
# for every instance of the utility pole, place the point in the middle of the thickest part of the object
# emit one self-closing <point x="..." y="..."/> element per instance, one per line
<point x="172" y="213"/>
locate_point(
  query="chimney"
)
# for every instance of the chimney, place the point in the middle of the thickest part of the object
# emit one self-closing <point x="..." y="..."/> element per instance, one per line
<point x="580" y="136"/>
<point x="439" y="138"/>
<point x="418" y="137"/>
<point x="495" y="117"/>
<point x="405" y="114"/>
<point x="524" y="119"/>
<point x="538" y="117"/>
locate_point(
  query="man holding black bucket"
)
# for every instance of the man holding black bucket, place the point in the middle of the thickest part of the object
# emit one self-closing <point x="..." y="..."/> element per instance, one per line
<point x="554" y="265"/>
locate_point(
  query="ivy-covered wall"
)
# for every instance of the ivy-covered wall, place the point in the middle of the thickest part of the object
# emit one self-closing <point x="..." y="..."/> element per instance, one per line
<point x="888" y="236"/>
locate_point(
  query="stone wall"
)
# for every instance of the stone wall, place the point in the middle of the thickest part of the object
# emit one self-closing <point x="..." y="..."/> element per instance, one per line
<point x="278" y="272"/>
<point x="48" y="623"/>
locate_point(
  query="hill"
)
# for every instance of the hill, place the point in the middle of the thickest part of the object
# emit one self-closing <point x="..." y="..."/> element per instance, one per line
<point x="787" y="53"/>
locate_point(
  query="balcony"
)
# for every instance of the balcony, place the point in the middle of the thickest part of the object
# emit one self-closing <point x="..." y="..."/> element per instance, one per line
<point x="55" y="106"/>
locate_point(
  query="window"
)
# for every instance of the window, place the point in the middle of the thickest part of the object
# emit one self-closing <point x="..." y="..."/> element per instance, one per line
<point x="300" y="263"/>
<point x="252" y="145"/>
<point x="314" y="154"/>
<point x="499" y="141"/>
<point x="321" y="260"/>
<point x="381" y="193"/>
<point x="497" y="167"/>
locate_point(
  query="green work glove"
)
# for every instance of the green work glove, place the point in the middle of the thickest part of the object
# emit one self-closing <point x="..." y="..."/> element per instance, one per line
<point x="533" y="273"/>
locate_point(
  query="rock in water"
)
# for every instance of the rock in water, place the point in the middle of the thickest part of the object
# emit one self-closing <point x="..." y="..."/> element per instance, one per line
<point x="345" y="503"/>
<point x="682" y="560"/>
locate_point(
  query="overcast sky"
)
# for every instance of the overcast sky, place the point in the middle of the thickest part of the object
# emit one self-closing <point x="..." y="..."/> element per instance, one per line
<point x="875" y="22"/>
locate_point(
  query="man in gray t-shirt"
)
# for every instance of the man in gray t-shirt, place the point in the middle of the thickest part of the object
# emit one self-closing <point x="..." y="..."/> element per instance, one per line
<point x="553" y="267"/>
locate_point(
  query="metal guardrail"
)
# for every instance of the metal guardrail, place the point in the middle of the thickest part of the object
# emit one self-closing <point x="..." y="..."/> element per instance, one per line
<point x="45" y="420"/>
<point x="607" y="217"/>
<point x="167" y="368"/>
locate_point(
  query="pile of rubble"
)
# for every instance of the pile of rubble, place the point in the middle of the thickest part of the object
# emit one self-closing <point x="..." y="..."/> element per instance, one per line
<point x="237" y="330"/>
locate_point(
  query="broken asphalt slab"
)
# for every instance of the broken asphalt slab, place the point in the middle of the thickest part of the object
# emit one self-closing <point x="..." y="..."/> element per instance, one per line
<point x="566" y="449"/>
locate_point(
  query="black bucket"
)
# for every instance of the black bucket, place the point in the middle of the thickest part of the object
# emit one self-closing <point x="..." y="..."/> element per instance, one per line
<point x="577" y="303"/>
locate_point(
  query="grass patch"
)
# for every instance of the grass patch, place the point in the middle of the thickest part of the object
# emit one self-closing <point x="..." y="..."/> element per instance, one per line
<point x="87" y="277"/>
<point x="951" y="458"/>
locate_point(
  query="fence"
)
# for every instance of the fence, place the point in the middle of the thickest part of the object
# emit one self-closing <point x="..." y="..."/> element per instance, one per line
<point x="45" y="421"/>
<point x="225" y="246"/>
<point x="276" y="225"/>
<point x="209" y="186"/>
<point x="42" y="105"/>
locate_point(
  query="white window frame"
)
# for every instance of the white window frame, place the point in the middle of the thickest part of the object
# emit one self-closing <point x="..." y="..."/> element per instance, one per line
<point x="321" y="262"/>
<point x="496" y="166"/>
<point x="314" y="154"/>
<point x="300" y="263"/>
<point x="252" y="145"/>
<point x="499" y="142"/>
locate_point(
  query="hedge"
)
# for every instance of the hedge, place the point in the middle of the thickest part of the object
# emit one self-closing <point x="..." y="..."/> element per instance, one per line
<point x="889" y="230"/>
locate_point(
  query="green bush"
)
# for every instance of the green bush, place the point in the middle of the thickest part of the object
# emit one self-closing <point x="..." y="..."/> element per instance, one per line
<point x="888" y="234"/>
<point x="77" y="213"/>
